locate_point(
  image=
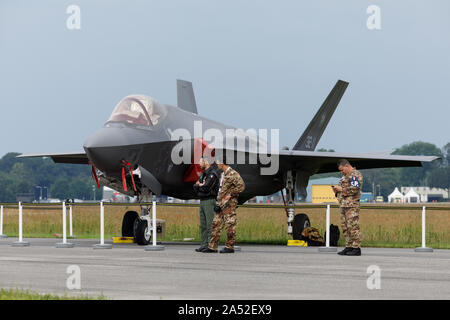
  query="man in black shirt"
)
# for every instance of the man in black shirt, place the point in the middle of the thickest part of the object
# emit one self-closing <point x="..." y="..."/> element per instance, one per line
<point x="206" y="188"/>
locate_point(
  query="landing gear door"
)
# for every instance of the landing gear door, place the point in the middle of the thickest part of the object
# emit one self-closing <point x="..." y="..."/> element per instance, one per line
<point x="301" y="182"/>
<point x="150" y="181"/>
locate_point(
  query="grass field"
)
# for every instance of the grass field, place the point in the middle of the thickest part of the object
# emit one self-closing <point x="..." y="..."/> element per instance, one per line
<point x="20" y="294"/>
<point x="384" y="227"/>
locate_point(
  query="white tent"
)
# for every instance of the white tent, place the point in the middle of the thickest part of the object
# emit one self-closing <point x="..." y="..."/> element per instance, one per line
<point x="411" y="196"/>
<point x="396" y="196"/>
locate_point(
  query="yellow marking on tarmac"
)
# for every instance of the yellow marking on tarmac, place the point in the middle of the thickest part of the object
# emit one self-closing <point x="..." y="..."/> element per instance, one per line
<point x="297" y="243"/>
<point x="123" y="239"/>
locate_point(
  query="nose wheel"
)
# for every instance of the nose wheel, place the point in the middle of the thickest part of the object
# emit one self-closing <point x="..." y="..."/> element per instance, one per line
<point x="137" y="227"/>
<point x="142" y="232"/>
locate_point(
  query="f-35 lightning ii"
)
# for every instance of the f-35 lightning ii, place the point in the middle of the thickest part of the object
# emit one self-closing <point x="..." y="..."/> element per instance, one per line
<point x="137" y="152"/>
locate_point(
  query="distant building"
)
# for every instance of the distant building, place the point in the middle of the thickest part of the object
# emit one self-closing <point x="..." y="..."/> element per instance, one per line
<point x="112" y="195"/>
<point x="412" y="197"/>
<point x="24" y="197"/>
<point x="40" y="193"/>
<point x="322" y="190"/>
<point x="396" y="196"/>
<point x="427" y="194"/>
<point x="273" y="198"/>
<point x="367" y="197"/>
<point x="322" y="193"/>
<point x="176" y="200"/>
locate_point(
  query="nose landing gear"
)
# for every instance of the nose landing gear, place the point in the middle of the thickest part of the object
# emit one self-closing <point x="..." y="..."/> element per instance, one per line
<point x="139" y="227"/>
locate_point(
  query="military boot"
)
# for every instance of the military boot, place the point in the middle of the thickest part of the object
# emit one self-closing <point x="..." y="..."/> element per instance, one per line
<point x="227" y="250"/>
<point x="354" y="252"/>
<point x="209" y="250"/>
<point x="344" y="252"/>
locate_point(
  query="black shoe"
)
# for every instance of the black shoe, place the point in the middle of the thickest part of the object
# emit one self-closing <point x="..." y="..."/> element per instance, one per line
<point x="227" y="250"/>
<point x="354" y="252"/>
<point x="200" y="249"/>
<point x="344" y="252"/>
<point x="208" y="250"/>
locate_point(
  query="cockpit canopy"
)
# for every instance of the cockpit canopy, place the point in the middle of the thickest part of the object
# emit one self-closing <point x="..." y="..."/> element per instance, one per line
<point x="138" y="110"/>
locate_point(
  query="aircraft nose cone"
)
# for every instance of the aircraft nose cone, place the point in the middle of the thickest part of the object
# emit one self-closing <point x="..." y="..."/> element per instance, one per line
<point x="106" y="137"/>
<point x="105" y="148"/>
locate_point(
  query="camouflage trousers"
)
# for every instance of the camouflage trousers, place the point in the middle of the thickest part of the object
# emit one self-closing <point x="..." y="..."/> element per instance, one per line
<point x="350" y="227"/>
<point x="227" y="218"/>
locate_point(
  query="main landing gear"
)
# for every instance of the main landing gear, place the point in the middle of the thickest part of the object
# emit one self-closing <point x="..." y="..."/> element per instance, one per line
<point x="296" y="223"/>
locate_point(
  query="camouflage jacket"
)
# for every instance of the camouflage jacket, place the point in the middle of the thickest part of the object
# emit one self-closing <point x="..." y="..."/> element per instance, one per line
<point x="230" y="183"/>
<point x="351" y="189"/>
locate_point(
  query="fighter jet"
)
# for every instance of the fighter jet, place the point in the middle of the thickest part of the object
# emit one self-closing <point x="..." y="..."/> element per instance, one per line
<point x="147" y="148"/>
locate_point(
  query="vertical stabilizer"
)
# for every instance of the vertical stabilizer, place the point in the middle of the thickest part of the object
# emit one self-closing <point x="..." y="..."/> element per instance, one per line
<point x="311" y="136"/>
<point x="185" y="96"/>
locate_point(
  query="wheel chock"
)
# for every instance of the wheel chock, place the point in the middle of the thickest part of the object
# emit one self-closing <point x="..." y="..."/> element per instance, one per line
<point x="297" y="243"/>
<point x="123" y="239"/>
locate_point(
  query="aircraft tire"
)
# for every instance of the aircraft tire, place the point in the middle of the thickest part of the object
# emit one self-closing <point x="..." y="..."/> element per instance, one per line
<point x="301" y="221"/>
<point x="140" y="232"/>
<point x="128" y="223"/>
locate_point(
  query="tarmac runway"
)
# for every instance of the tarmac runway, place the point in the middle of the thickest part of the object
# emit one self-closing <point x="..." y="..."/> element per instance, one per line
<point x="127" y="271"/>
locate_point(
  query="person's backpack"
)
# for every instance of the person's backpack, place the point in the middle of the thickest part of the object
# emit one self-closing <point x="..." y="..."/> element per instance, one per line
<point x="334" y="235"/>
<point x="312" y="236"/>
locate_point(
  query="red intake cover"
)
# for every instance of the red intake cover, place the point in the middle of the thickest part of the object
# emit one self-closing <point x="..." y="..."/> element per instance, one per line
<point x="194" y="171"/>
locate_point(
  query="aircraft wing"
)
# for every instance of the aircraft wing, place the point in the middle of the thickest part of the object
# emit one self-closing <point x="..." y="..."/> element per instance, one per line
<point x="75" y="158"/>
<point x="323" y="162"/>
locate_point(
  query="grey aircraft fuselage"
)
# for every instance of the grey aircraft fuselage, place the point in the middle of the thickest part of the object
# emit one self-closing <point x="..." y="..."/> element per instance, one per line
<point x="151" y="148"/>
<point x="145" y="133"/>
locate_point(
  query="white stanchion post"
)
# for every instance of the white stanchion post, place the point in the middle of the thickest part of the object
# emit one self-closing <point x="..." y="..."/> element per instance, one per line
<point x="64" y="243"/>
<point x="154" y="223"/>
<point x="70" y="221"/>
<point x="64" y="222"/>
<point x="154" y="246"/>
<point x="20" y="222"/>
<point x="423" y="248"/>
<point x="1" y="224"/>
<point x="102" y="244"/>
<point x="328" y="227"/>
<point x="327" y="247"/>
<point x="102" y="223"/>
<point x="20" y="243"/>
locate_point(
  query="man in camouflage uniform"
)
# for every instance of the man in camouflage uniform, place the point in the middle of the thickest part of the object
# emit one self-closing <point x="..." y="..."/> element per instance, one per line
<point x="348" y="193"/>
<point x="231" y="184"/>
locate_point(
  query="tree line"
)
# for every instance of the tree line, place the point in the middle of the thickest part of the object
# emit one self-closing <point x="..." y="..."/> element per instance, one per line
<point x="22" y="175"/>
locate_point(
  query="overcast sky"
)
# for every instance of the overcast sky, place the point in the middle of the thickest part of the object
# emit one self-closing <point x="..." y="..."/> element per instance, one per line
<point x="253" y="63"/>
